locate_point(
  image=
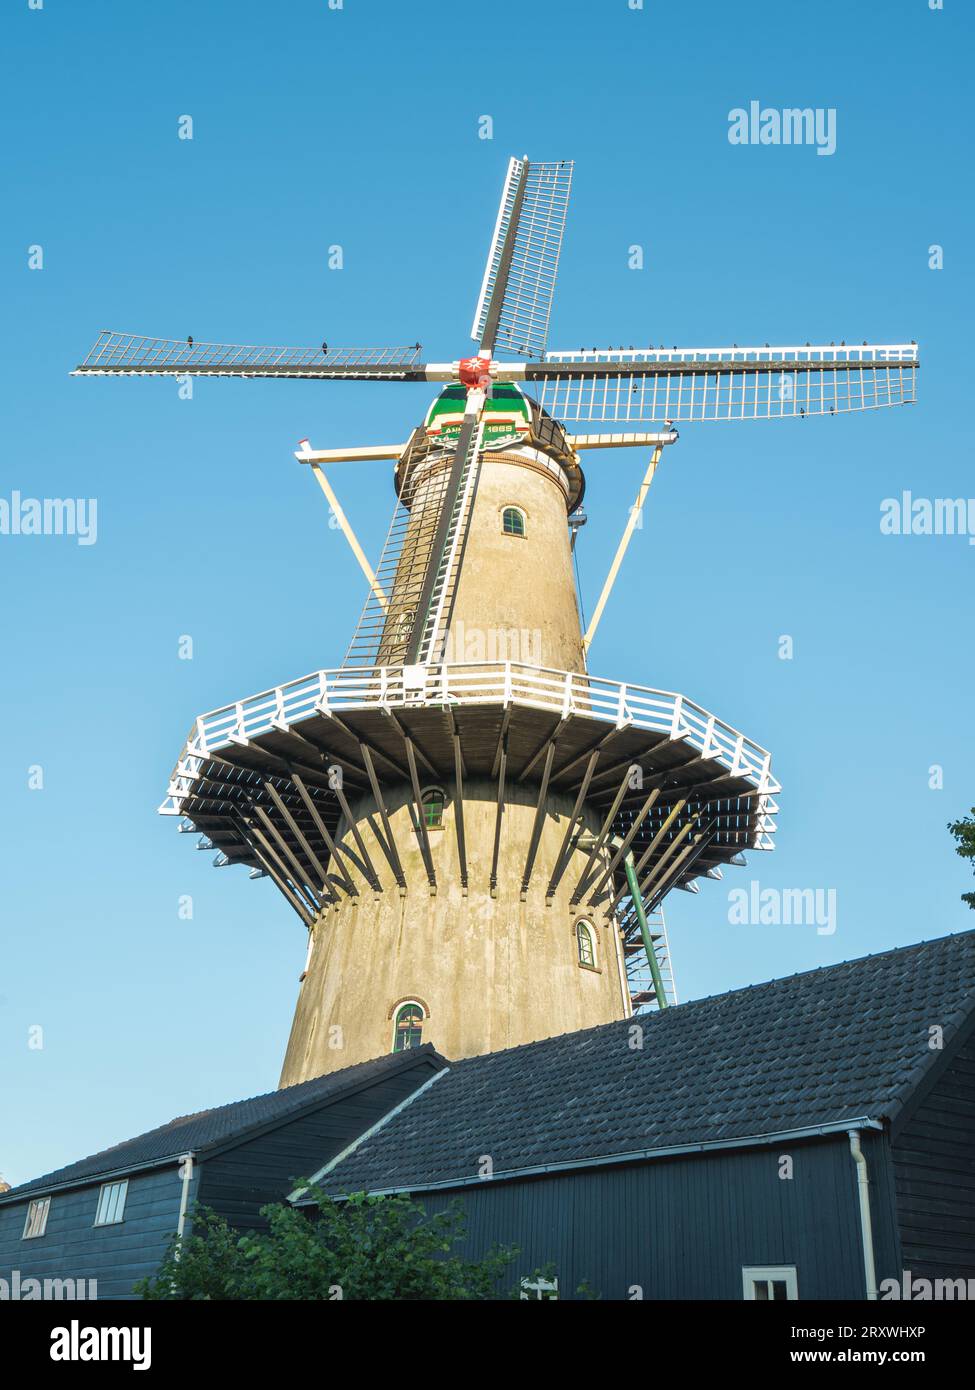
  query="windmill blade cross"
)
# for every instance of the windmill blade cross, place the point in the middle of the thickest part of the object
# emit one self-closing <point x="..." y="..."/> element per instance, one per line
<point x="128" y="354"/>
<point x="731" y="383"/>
<point x="515" y="302"/>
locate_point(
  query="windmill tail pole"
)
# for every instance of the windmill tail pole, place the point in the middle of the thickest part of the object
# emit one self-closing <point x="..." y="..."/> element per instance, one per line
<point x="641" y="917"/>
<point x="349" y="535"/>
<point x="636" y="511"/>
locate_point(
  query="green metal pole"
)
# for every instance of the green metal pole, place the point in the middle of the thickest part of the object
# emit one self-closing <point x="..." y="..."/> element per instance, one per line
<point x="641" y="917"/>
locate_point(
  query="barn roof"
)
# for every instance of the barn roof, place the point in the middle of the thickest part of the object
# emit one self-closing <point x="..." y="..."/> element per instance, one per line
<point x="809" y="1053"/>
<point x="225" y="1124"/>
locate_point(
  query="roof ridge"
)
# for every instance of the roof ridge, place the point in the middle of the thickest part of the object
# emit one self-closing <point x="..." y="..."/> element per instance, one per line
<point x="657" y="1016"/>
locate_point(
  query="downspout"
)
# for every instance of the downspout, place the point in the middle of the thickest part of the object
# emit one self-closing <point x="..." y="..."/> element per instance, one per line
<point x="186" y="1177"/>
<point x="641" y="917"/>
<point x="866" y="1229"/>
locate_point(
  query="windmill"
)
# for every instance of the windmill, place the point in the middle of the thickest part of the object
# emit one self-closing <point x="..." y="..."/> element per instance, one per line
<point x="478" y="831"/>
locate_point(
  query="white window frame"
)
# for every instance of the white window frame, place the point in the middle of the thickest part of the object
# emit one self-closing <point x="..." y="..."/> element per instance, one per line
<point x="38" y="1209"/>
<point x="757" y="1274"/>
<point x="111" y="1203"/>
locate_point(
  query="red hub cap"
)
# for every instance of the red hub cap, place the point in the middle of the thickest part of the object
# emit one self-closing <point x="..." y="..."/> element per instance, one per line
<point x="475" y="373"/>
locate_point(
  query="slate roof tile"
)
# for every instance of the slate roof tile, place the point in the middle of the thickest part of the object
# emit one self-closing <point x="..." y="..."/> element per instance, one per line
<point x="841" y="1042"/>
<point x="208" y="1128"/>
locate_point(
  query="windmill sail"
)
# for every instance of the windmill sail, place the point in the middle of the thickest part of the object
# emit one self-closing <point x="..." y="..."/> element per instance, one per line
<point x="515" y="302"/>
<point x="127" y="354"/>
<point x="703" y="384"/>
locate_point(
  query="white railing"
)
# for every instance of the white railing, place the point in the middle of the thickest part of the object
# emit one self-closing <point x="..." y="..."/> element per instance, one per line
<point x="559" y="692"/>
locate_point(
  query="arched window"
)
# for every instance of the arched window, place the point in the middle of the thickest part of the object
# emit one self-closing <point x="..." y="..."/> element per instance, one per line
<point x="513" y="521"/>
<point x="586" y="942"/>
<point x="432" y="802"/>
<point x="408" y="1026"/>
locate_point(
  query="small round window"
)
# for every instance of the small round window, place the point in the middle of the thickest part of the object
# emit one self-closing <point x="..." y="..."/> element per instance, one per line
<point x="513" y="521"/>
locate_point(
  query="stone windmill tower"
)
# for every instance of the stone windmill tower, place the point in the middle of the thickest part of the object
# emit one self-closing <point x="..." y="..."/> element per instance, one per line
<point x="475" y="828"/>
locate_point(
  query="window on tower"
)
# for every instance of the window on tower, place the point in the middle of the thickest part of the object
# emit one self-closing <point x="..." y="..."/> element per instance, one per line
<point x="513" y="521"/>
<point x="586" y="944"/>
<point x="432" y="802"/>
<point x="408" y="1027"/>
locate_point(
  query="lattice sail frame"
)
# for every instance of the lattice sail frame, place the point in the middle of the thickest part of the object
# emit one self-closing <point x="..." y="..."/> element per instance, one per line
<point x="538" y="196"/>
<point x="129" y="354"/>
<point x="700" y="385"/>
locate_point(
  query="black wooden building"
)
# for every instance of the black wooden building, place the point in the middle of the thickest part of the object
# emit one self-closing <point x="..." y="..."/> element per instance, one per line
<point x="707" y="1152"/>
<point x="110" y="1218"/>
<point x="811" y="1137"/>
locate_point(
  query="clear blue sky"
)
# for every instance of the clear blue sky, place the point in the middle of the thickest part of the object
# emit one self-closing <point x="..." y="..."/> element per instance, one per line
<point x="359" y="127"/>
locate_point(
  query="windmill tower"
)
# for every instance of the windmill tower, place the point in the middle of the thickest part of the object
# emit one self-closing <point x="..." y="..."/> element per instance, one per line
<point x="478" y="831"/>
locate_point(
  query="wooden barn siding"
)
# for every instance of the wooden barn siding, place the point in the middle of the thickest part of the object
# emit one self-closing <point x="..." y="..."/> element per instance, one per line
<point x="934" y="1166"/>
<point x="74" y="1248"/>
<point x="683" y="1228"/>
<point x="264" y="1169"/>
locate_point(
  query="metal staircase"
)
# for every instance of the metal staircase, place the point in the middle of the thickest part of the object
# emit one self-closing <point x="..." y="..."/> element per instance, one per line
<point x="643" y="996"/>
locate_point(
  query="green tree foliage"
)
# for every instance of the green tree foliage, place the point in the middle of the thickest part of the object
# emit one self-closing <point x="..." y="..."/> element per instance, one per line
<point x="964" y="833"/>
<point x="363" y="1248"/>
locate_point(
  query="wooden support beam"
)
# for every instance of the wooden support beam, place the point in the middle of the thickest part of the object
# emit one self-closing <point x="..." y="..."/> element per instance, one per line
<point x="304" y="878"/>
<point x="657" y="868"/>
<point x="260" y="841"/>
<point x="562" y="860"/>
<point x="538" y="821"/>
<point x="599" y="746"/>
<point x="601" y="837"/>
<point x="285" y="766"/>
<point x="370" y="872"/>
<point x="628" y="839"/>
<point x="349" y="535"/>
<point x="502" y="741"/>
<point x="376" y="751"/>
<point x="636" y="512"/>
<point x="421" y="826"/>
<point x="675" y="810"/>
<point x="389" y="848"/>
<point x="541" y="750"/>
<point x="690" y="854"/>
<point x="323" y="830"/>
<point x="502" y="763"/>
<point x="299" y="835"/>
<point x="417" y="750"/>
<point x="283" y="885"/>
<point x="327" y="755"/>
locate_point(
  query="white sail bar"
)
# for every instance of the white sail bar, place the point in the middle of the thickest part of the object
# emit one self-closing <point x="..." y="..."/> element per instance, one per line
<point x="359" y="453"/>
<point x="129" y="354"/>
<point x="628" y="439"/>
<point x="848" y="353"/>
<point x="515" y="302"/>
<point x="630" y="385"/>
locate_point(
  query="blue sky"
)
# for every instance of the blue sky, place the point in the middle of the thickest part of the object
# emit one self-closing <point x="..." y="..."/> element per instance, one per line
<point x="359" y="127"/>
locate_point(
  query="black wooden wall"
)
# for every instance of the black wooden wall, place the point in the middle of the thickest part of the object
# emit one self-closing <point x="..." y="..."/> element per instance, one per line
<point x="934" y="1164"/>
<point x="239" y="1181"/>
<point x="73" y="1247"/>
<point x="683" y="1228"/>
